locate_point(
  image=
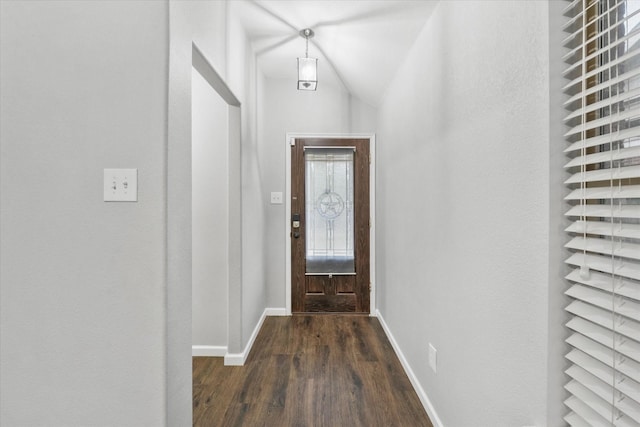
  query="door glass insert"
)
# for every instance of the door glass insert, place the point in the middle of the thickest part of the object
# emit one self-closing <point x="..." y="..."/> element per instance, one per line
<point x="329" y="211"/>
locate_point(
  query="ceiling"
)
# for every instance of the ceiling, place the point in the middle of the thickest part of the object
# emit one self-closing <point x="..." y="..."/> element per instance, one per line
<point x="359" y="43"/>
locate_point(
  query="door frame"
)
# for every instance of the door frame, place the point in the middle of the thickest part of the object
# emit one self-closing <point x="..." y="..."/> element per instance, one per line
<point x="290" y="136"/>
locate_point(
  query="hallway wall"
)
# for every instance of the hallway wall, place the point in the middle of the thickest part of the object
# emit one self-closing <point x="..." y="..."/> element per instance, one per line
<point x="210" y="215"/>
<point x="245" y="79"/>
<point x="205" y="25"/>
<point x="95" y="297"/>
<point x="463" y="205"/>
<point x="82" y="282"/>
<point x="285" y="109"/>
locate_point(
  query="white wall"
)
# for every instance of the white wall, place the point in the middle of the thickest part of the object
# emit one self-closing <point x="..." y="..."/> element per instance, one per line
<point x="210" y="215"/>
<point x="82" y="283"/>
<point x="243" y="79"/>
<point x="286" y="109"/>
<point x="463" y="205"/>
<point x="96" y="297"/>
<point x="202" y="23"/>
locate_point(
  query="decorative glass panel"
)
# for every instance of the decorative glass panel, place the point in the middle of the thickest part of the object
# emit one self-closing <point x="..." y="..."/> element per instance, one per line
<point x="329" y="210"/>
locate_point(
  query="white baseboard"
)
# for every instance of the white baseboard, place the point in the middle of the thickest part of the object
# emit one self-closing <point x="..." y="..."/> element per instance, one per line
<point x="234" y="359"/>
<point x="428" y="406"/>
<point x="275" y="311"/>
<point x="208" y="350"/>
<point x="238" y="359"/>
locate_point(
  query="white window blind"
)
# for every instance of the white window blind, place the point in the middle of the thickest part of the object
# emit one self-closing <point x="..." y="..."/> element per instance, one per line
<point x="603" y="146"/>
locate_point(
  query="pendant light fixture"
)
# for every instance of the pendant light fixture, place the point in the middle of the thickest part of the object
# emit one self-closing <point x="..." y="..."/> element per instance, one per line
<point x="307" y="67"/>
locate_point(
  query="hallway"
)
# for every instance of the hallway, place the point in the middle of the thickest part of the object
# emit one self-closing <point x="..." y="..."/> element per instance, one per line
<point x="309" y="371"/>
<point x="465" y="100"/>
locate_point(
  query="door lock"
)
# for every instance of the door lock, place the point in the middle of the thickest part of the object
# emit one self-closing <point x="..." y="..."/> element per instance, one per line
<point x="295" y="224"/>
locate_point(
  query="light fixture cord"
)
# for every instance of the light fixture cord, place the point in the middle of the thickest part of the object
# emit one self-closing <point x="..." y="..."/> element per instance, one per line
<point x="306" y="51"/>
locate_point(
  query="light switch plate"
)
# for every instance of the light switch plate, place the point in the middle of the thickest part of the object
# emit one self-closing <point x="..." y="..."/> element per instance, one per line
<point x="276" y="198"/>
<point x="121" y="185"/>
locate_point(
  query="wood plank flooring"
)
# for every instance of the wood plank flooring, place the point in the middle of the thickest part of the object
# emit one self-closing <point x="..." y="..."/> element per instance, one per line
<point x="309" y="371"/>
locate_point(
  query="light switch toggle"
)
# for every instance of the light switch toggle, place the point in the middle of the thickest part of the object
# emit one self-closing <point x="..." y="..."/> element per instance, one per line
<point x="121" y="185"/>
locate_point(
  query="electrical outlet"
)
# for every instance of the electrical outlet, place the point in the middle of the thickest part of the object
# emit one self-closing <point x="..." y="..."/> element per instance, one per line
<point x="433" y="357"/>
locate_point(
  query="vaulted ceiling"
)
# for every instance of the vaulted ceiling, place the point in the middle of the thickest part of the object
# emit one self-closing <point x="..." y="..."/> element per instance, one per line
<point x="359" y="43"/>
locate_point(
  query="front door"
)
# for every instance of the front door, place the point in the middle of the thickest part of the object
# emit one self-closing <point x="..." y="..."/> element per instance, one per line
<point x="330" y="225"/>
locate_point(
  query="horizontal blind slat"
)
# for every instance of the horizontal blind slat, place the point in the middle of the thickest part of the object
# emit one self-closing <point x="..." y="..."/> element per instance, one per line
<point x="604" y="121"/>
<point x="595" y="402"/>
<point x="605" y="391"/>
<point x="631" y="55"/>
<point x="605" y="228"/>
<point x="621" y="135"/>
<point x="607" y="156"/>
<point x="591" y="417"/>
<point x="603" y="246"/>
<point x="574" y="420"/>
<point x="601" y="406"/>
<point x="594" y="193"/>
<point x="628" y="172"/>
<point x="579" y="61"/>
<point x="579" y="94"/>
<point x="606" y="337"/>
<point x="621" y="305"/>
<point x="577" y="45"/>
<point x="623" y="286"/>
<point x="603" y="317"/>
<point x="572" y="5"/>
<point x="577" y="20"/>
<point x="604" y="373"/>
<point x="604" y="264"/>
<point x="599" y="352"/>
<point x="621" y="97"/>
<point x="605" y="211"/>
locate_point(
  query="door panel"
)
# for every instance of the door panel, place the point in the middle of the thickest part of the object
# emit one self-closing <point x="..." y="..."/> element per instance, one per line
<point x="330" y="225"/>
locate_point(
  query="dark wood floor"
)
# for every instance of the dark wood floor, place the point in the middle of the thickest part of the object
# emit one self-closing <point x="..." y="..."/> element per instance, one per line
<point x="309" y="371"/>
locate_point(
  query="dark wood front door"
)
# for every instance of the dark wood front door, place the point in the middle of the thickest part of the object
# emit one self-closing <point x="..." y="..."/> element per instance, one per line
<point x="330" y="225"/>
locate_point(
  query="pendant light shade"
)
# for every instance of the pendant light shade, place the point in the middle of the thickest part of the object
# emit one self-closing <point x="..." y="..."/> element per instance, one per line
<point x="307" y="67"/>
<point x="307" y="73"/>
